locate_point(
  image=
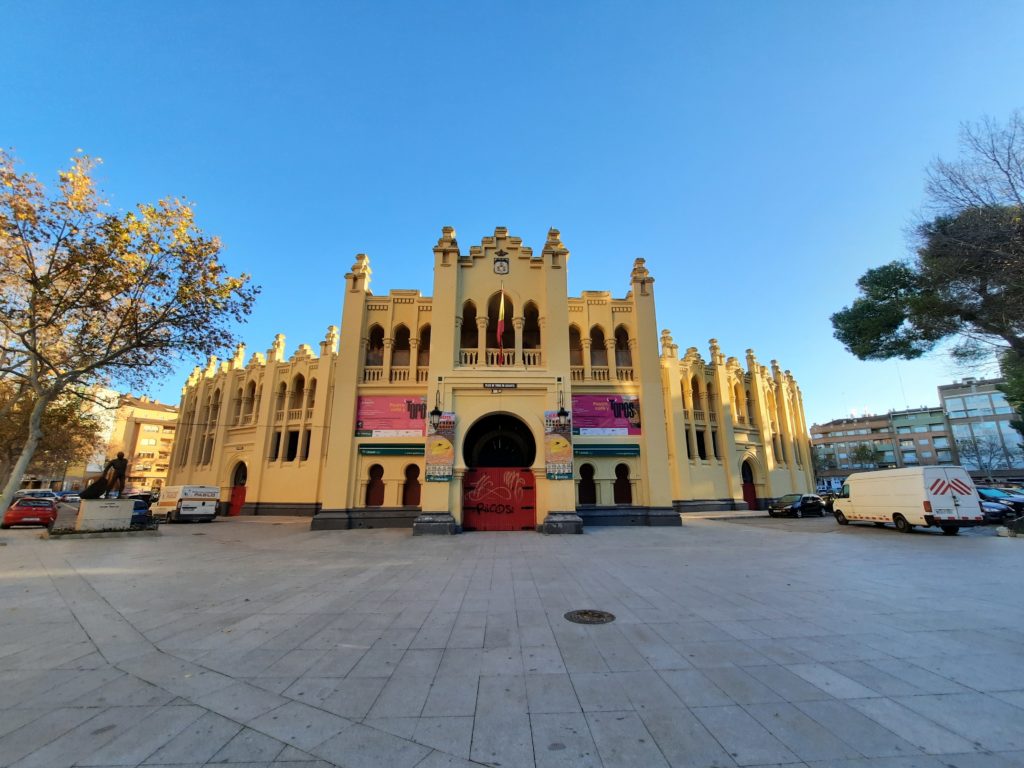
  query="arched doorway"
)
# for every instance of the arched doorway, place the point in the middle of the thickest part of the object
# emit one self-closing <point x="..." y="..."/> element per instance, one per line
<point x="238" y="480"/>
<point x="498" y="490"/>
<point x="749" y="489"/>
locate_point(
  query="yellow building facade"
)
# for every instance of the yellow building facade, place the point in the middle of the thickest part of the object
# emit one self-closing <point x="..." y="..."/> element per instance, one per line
<point x="497" y="403"/>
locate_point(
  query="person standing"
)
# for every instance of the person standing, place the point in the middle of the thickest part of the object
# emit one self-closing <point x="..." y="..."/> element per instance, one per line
<point x="119" y="469"/>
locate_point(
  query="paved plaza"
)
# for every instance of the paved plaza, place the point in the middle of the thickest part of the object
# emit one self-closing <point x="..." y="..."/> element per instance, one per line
<point x="742" y="642"/>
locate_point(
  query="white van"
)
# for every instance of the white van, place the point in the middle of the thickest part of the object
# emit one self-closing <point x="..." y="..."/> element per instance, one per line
<point x="186" y="502"/>
<point x="944" y="497"/>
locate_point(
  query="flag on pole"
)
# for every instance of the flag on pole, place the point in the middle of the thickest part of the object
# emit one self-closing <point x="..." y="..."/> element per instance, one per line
<point x="501" y="325"/>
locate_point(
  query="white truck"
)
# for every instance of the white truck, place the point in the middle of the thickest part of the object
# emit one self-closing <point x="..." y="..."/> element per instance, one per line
<point x="944" y="497"/>
<point x="178" y="503"/>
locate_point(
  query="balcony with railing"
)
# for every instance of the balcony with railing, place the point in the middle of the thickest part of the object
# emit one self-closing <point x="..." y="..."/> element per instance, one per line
<point x="494" y="358"/>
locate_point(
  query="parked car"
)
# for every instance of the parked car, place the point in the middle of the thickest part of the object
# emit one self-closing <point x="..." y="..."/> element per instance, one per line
<point x="35" y="493"/>
<point x="30" y="510"/>
<point x="1016" y="502"/>
<point x="140" y="514"/>
<point x="797" y="505"/>
<point x="995" y="512"/>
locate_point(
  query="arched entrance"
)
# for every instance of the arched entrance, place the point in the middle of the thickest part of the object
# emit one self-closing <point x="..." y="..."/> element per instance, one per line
<point x="238" y="480"/>
<point x="749" y="488"/>
<point x="498" y="490"/>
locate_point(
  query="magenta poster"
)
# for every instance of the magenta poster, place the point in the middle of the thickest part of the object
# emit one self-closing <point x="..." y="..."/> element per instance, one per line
<point x="605" y="415"/>
<point x="391" y="416"/>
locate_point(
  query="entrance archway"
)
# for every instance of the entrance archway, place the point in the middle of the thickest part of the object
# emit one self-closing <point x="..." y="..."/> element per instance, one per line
<point x="238" y="480"/>
<point x="498" y="490"/>
<point x="749" y="488"/>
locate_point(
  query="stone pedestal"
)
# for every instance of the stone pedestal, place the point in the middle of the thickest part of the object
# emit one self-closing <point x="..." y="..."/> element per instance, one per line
<point x="562" y="522"/>
<point x="104" y="515"/>
<point x="435" y="523"/>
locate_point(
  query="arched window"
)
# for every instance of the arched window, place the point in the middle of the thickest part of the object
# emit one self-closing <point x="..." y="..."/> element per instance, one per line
<point x="531" y="326"/>
<point x="750" y="408"/>
<point x="695" y="394"/>
<point x="469" y="339"/>
<point x="282" y="393"/>
<point x="400" y="349"/>
<point x="598" y="351"/>
<point x="588" y="488"/>
<point x="508" y="336"/>
<point x="622" y="491"/>
<point x="623" y="354"/>
<point x="739" y="402"/>
<point x="375" y="346"/>
<point x="250" y="398"/>
<point x="575" y="347"/>
<point x="411" y="486"/>
<point x="298" y="391"/>
<point x="311" y="395"/>
<point x="236" y="410"/>
<point x="375" y="487"/>
<point x="423" y="351"/>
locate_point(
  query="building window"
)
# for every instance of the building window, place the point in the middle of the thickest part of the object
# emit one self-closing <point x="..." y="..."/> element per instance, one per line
<point x="587" y="488"/>
<point x="306" y="435"/>
<point x="374" y="347"/>
<point x="623" y="492"/>
<point x="400" y="351"/>
<point x="702" y="451"/>
<point x="293" y="445"/>
<point x="375" y="486"/>
<point x="275" y="445"/>
<point x="411" y="486"/>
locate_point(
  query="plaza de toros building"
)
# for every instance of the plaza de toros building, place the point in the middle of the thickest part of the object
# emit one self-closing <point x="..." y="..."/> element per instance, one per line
<point x="498" y="403"/>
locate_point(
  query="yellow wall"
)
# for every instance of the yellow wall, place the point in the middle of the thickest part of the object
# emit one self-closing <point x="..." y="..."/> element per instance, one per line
<point x="231" y="410"/>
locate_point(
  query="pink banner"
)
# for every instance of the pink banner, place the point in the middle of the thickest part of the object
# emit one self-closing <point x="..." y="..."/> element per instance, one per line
<point x="391" y="416"/>
<point x="605" y="415"/>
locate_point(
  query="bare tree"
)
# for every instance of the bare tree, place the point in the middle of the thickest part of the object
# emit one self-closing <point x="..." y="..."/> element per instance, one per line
<point x="984" y="452"/>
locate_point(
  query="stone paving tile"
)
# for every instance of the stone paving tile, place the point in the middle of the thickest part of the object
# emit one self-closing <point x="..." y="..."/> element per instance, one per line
<point x="695" y="689"/>
<point x="600" y="692"/>
<point x="563" y="740"/>
<point x="37" y="734"/>
<point x="924" y="734"/>
<point x="299" y="724"/>
<point x="683" y="740"/>
<point x="746" y="740"/>
<point x="623" y="740"/>
<point x="806" y="738"/>
<point x="240" y="702"/>
<point x="503" y="738"/>
<point x="198" y="742"/>
<point x="249" y="746"/>
<point x="869" y="738"/>
<point x="452" y="735"/>
<point x="982" y="719"/>
<point x="360" y="746"/>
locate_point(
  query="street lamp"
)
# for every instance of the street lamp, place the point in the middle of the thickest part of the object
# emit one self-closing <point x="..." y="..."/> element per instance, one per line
<point x="562" y="417"/>
<point x="435" y="414"/>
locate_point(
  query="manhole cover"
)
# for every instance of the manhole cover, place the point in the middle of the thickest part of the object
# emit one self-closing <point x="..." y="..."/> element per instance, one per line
<point x="198" y="534"/>
<point x="590" y="617"/>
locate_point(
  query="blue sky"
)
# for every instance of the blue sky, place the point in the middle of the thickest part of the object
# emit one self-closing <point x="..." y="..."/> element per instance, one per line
<point x="759" y="155"/>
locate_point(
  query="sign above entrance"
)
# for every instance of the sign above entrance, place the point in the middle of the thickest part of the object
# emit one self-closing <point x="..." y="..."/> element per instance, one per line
<point x="500" y="385"/>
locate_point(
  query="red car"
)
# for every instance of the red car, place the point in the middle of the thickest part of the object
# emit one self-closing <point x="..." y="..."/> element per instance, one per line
<point x="30" y="511"/>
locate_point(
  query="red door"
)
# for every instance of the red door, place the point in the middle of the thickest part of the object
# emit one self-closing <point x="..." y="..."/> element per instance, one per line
<point x="237" y="500"/>
<point x="499" y="499"/>
<point x="750" y="495"/>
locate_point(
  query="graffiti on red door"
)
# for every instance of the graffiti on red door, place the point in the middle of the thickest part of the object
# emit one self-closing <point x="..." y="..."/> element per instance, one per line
<point x="498" y="499"/>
